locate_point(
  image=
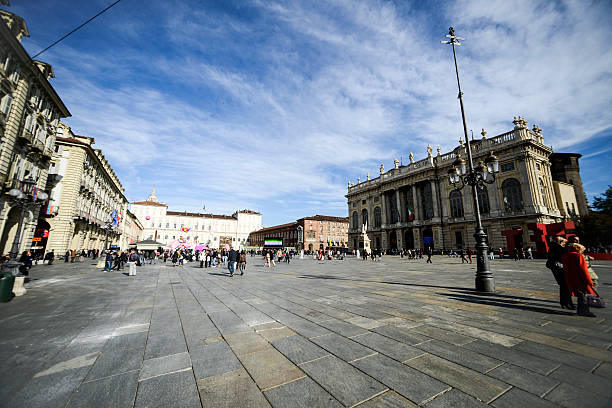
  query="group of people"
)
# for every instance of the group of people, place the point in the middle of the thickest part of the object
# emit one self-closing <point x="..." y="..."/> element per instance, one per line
<point x="573" y="273"/>
<point x="116" y="260"/>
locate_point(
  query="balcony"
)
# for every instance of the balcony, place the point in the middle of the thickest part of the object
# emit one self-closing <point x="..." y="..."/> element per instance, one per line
<point x="26" y="136"/>
<point x="48" y="152"/>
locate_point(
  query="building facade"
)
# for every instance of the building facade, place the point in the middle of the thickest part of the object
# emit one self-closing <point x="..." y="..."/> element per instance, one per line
<point x="30" y="110"/>
<point x="87" y="205"/>
<point x="213" y="230"/>
<point x="308" y="233"/>
<point x="131" y="230"/>
<point x="415" y="205"/>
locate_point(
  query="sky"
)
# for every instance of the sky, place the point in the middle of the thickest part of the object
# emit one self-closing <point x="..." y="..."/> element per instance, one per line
<point x="274" y="106"/>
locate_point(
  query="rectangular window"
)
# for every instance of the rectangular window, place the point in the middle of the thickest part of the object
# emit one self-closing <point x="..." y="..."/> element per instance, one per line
<point x="354" y="204"/>
<point x="363" y="202"/>
<point x="507" y="166"/>
<point x="538" y="166"/>
<point x="376" y="199"/>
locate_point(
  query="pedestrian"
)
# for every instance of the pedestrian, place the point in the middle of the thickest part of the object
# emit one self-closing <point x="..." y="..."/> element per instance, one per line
<point x="243" y="262"/>
<point x="529" y="253"/>
<point x="555" y="264"/>
<point x="429" y="254"/>
<point x="50" y="257"/>
<point x="491" y="254"/>
<point x="463" y="259"/>
<point x="501" y="253"/>
<point x="73" y="255"/>
<point x="26" y="263"/>
<point x="232" y="258"/>
<point x="133" y="258"/>
<point x="67" y="256"/>
<point x="515" y="254"/>
<point x="175" y="257"/>
<point x="268" y="260"/>
<point x="108" y="261"/>
<point x="577" y="277"/>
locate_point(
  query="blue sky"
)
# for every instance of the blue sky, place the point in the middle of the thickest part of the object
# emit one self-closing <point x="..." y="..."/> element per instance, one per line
<point x="275" y="105"/>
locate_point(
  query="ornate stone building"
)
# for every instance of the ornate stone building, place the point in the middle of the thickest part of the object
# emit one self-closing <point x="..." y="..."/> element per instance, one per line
<point x="85" y="197"/>
<point x="214" y="230"/>
<point x="131" y="230"/>
<point x="319" y="232"/>
<point x="30" y="110"/>
<point x="415" y="205"/>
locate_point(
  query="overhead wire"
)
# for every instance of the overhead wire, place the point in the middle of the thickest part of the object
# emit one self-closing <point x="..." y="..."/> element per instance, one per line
<point x="76" y="29"/>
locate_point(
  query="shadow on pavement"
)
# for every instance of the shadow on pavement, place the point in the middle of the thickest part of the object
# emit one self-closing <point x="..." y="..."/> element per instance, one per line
<point x="504" y="303"/>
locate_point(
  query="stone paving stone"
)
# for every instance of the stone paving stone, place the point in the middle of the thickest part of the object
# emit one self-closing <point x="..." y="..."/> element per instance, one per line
<point x="270" y="368"/>
<point x="554" y="354"/>
<point x="164" y="365"/>
<point x="469" y="381"/>
<point x="115" y="361"/>
<point x="569" y="396"/>
<point x="164" y="344"/>
<point x="588" y="351"/>
<point x="460" y="355"/>
<point x="268" y="326"/>
<point x="340" y="379"/>
<point x="302" y="393"/>
<point x="588" y="382"/>
<point x="410" y="383"/>
<point x="513" y="356"/>
<point x="276" y="333"/>
<point x="305" y="327"/>
<point x="129" y="341"/>
<point x="603" y="343"/>
<point x="387" y="346"/>
<point x="527" y="380"/>
<point x="131" y="328"/>
<point x="342" y="347"/>
<point x="170" y="390"/>
<point x="389" y="399"/>
<point x="401" y="334"/>
<point x="477" y="333"/>
<point x="519" y="398"/>
<point x="604" y="370"/>
<point x="341" y="327"/>
<point x="227" y="322"/>
<point x="444" y="335"/>
<point x="298" y="349"/>
<point x="196" y="337"/>
<point x="116" y="391"/>
<point x="231" y="389"/>
<point x="365" y="322"/>
<point x="455" y="398"/>
<point x="212" y="359"/>
<point x="246" y="342"/>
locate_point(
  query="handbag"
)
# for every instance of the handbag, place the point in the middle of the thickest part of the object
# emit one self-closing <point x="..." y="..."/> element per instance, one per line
<point x="595" y="300"/>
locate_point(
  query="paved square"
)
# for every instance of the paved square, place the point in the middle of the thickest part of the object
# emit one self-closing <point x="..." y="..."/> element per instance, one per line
<point x="309" y="334"/>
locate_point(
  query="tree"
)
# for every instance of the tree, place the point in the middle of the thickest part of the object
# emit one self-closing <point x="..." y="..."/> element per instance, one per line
<point x="604" y="204"/>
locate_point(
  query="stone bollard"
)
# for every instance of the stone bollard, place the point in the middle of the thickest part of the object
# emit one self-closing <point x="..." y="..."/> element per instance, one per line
<point x="18" y="289"/>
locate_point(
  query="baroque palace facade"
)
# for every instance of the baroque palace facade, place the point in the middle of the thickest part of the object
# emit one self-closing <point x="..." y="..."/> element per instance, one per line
<point x="213" y="230"/>
<point x="535" y="194"/>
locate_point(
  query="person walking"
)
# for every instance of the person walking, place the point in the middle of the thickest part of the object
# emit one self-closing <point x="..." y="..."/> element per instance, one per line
<point x="577" y="277"/>
<point x="243" y="262"/>
<point x="108" y="261"/>
<point x="267" y="256"/>
<point x="50" y="257"/>
<point x="429" y="254"/>
<point x="133" y="258"/>
<point x="232" y="258"/>
<point x="26" y="260"/>
<point x="463" y="259"/>
<point x="555" y="264"/>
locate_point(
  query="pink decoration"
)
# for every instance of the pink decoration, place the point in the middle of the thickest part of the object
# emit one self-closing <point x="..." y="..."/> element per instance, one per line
<point x="147" y="217"/>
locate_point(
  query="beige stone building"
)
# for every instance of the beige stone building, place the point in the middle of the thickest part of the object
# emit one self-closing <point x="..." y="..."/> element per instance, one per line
<point x="131" y="230"/>
<point x="84" y="198"/>
<point x="214" y="230"/>
<point x="30" y="110"/>
<point x="415" y="205"/>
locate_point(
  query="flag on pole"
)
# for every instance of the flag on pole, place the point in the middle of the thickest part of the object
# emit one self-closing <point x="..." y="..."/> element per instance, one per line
<point x="410" y="212"/>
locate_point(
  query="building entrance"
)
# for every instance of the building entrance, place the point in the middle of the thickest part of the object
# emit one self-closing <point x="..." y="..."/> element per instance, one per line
<point x="428" y="241"/>
<point x="409" y="239"/>
<point x="393" y="240"/>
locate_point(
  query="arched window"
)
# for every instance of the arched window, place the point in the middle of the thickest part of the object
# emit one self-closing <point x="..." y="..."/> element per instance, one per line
<point x="364" y="216"/>
<point x="355" y="220"/>
<point x="456" y="203"/>
<point x="513" y="197"/>
<point x="543" y="192"/>
<point x="377" y="217"/>
<point x="483" y="200"/>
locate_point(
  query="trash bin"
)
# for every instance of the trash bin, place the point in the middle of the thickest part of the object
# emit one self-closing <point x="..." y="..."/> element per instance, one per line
<point x="7" y="280"/>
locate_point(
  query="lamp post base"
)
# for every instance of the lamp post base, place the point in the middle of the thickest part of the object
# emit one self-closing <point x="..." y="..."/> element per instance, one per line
<point x="12" y="267"/>
<point x="485" y="284"/>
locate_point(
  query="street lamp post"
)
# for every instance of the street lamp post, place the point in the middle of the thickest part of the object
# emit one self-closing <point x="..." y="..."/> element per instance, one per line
<point x="476" y="178"/>
<point x="24" y="197"/>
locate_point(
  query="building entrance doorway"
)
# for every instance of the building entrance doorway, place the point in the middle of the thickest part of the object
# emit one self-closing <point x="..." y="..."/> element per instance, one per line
<point x="428" y="241"/>
<point x="39" y="241"/>
<point x="393" y="240"/>
<point x="409" y="239"/>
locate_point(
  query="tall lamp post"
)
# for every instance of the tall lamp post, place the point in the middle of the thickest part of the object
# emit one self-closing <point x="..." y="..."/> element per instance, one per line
<point x="475" y="177"/>
<point x="25" y="197"/>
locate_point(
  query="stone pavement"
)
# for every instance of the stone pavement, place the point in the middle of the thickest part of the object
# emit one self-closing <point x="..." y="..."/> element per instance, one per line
<point x="395" y="333"/>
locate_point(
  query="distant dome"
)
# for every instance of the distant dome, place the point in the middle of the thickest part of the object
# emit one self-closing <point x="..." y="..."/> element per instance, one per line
<point x="153" y="198"/>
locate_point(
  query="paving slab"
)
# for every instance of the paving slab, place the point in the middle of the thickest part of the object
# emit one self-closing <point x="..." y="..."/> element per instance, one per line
<point x="212" y="359"/>
<point x="567" y="395"/>
<point x="590" y="382"/>
<point x="298" y="349"/>
<point x="164" y="365"/>
<point x="347" y="384"/>
<point x="561" y="356"/>
<point x="460" y="355"/>
<point x="529" y="381"/>
<point x="128" y="341"/>
<point x="604" y="370"/>
<point x="387" y="346"/>
<point x="269" y="368"/>
<point x="389" y="399"/>
<point x="401" y="334"/>
<point x="116" y="361"/>
<point x="231" y="389"/>
<point x="116" y="391"/>
<point x="469" y="381"/>
<point x="455" y="398"/>
<point x="170" y="390"/>
<point x="342" y="347"/>
<point x="301" y="393"/>
<point x="519" y="398"/>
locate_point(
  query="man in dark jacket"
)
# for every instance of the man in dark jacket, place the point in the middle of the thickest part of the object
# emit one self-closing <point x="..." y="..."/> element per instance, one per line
<point x="232" y="258"/>
<point x="108" y="261"/>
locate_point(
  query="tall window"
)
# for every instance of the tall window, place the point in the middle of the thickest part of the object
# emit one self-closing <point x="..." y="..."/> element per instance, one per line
<point x="364" y="216"/>
<point x="456" y="203"/>
<point x="513" y="197"/>
<point x="393" y="210"/>
<point x="483" y="200"/>
<point x="355" y="220"/>
<point x="409" y="203"/>
<point x="377" y="217"/>
<point x="427" y="200"/>
<point x="543" y="192"/>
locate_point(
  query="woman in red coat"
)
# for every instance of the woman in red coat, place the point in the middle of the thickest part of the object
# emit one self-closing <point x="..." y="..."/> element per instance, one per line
<point x="577" y="276"/>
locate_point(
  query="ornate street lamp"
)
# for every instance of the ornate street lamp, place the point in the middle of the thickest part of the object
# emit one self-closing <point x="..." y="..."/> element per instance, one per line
<point x="476" y="177"/>
<point x="24" y="197"/>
